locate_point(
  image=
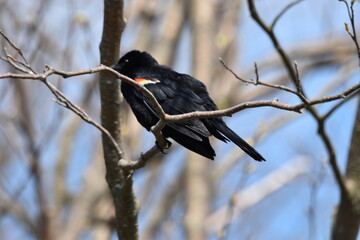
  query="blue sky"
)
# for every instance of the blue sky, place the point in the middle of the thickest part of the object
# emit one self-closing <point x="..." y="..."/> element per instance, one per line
<point x="284" y="214"/>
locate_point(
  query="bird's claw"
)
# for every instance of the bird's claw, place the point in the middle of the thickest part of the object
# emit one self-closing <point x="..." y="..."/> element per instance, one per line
<point x="167" y="146"/>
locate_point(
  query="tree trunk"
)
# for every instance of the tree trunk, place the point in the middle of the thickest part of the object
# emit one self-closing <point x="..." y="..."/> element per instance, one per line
<point x="120" y="182"/>
<point x="347" y="221"/>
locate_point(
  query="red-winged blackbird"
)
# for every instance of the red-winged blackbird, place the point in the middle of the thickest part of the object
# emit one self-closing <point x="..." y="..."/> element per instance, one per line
<point x="176" y="93"/>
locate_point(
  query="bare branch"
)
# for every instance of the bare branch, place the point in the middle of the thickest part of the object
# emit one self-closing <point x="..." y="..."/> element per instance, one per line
<point x="15" y="63"/>
<point x="65" y="102"/>
<point x="292" y="71"/>
<point x="285" y="58"/>
<point x="165" y="118"/>
<point x="336" y="106"/>
<point x="350" y="10"/>
<point x="257" y="81"/>
<point x="18" y="50"/>
<point x="282" y="12"/>
<point x="132" y="165"/>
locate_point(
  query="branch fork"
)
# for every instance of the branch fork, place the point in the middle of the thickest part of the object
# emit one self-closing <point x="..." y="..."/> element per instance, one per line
<point x="28" y="73"/>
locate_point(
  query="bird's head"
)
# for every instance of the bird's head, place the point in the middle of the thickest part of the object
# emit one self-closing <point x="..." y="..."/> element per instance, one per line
<point x="134" y="60"/>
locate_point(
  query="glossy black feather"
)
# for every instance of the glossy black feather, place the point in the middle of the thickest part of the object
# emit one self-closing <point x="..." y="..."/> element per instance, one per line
<point x="176" y="93"/>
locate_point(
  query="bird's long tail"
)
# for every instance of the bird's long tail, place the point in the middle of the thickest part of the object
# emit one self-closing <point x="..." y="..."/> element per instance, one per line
<point x="230" y="134"/>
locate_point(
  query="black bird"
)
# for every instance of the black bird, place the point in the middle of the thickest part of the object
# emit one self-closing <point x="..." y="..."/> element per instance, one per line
<point x="176" y="93"/>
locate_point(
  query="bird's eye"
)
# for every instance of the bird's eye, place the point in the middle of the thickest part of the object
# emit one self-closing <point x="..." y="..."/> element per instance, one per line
<point x="126" y="60"/>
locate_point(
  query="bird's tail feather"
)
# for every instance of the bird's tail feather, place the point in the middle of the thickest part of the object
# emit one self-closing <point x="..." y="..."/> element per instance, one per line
<point x="230" y="134"/>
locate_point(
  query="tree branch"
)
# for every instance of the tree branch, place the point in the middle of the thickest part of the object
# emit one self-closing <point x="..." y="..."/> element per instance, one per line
<point x="282" y="12"/>
<point x="350" y="10"/>
<point x="294" y="76"/>
<point x="18" y="50"/>
<point x="163" y="117"/>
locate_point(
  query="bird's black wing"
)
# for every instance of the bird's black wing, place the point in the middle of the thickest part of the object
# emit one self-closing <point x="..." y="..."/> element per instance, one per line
<point x="216" y="126"/>
<point x="177" y="100"/>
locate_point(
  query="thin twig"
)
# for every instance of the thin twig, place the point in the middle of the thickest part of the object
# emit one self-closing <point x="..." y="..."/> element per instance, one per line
<point x="298" y="93"/>
<point x="262" y="103"/>
<point x="295" y="79"/>
<point x="286" y="60"/>
<point x="18" y="50"/>
<point x="144" y="157"/>
<point x="65" y="102"/>
<point x="256" y="73"/>
<point x="337" y="105"/>
<point x="15" y="65"/>
<point x="163" y="117"/>
<point x="298" y="83"/>
<point x="282" y="12"/>
<point x="257" y="81"/>
<point x="350" y="10"/>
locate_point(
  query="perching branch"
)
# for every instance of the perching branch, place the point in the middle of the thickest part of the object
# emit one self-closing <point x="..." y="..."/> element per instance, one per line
<point x="163" y="117"/>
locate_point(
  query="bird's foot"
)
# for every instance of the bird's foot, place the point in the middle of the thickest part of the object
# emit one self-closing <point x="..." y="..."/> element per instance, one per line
<point x="167" y="146"/>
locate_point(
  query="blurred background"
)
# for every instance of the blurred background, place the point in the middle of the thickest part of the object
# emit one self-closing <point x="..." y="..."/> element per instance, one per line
<point x="51" y="162"/>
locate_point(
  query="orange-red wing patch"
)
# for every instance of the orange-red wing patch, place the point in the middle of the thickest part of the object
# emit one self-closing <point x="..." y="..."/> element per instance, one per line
<point x="139" y="79"/>
<point x="144" y="81"/>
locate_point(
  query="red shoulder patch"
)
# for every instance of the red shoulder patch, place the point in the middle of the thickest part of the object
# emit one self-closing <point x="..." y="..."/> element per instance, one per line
<point x="139" y="79"/>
